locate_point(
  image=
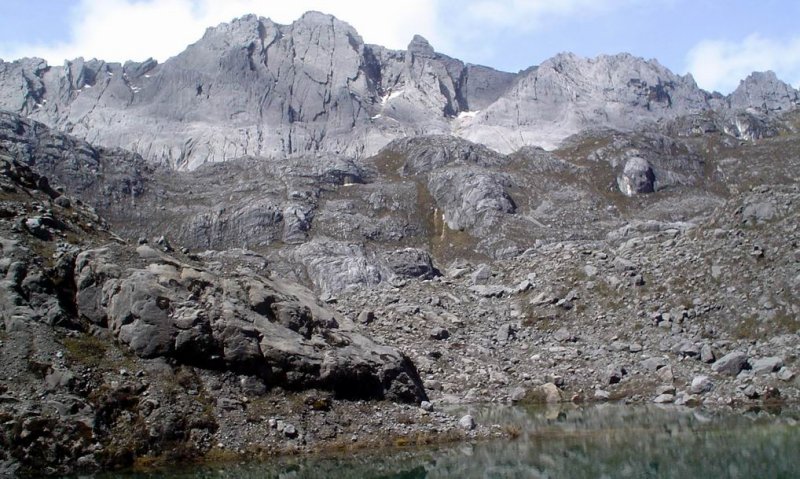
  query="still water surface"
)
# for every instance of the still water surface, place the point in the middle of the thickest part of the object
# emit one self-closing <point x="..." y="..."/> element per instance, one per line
<point x="606" y="441"/>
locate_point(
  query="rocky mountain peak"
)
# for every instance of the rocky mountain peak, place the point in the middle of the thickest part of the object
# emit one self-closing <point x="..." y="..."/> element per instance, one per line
<point x="764" y="91"/>
<point x="253" y="87"/>
<point x="609" y="69"/>
<point x="236" y="31"/>
<point x="314" y="17"/>
<point x="420" y="46"/>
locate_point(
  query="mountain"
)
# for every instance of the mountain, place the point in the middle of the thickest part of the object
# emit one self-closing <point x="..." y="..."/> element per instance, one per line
<point x="284" y="240"/>
<point x="252" y="87"/>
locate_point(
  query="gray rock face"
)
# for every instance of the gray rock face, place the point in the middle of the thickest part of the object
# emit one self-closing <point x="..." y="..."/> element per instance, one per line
<point x="637" y="177"/>
<point x="212" y="315"/>
<point x="424" y="154"/>
<point x="247" y="324"/>
<point x="337" y="266"/>
<point x="252" y="87"/>
<point x="567" y="93"/>
<point x="107" y="176"/>
<point x="764" y="91"/>
<point x="465" y="195"/>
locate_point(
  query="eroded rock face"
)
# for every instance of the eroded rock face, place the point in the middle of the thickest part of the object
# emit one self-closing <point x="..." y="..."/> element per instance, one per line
<point x="163" y="307"/>
<point x="465" y="194"/>
<point x="336" y="265"/>
<point x="424" y="154"/>
<point x="245" y="323"/>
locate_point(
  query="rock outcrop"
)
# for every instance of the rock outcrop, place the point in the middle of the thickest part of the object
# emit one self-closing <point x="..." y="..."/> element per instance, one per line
<point x="76" y="300"/>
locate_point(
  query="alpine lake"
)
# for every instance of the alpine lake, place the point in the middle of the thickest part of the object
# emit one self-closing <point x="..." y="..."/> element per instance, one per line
<point x="596" y="441"/>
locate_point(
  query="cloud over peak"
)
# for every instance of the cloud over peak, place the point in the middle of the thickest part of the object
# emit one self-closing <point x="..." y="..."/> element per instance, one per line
<point x="119" y="30"/>
<point x="720" y="65"/>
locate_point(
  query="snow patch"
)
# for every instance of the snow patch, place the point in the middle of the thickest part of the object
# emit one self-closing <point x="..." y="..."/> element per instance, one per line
<point x="86" y="86"/>
<point x="391" y="96"/>
<point x="468" y="114"/>
<point x="377" y="116"/>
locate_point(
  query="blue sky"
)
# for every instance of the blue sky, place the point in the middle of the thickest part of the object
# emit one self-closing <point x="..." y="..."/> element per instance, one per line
<point x="718" y="41"/>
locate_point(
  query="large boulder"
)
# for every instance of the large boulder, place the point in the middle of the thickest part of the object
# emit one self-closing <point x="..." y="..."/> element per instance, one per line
<point x="731" y="364"/>
<point x="410" y="263"/>
<point x="637" y="177"/>
<point x="246" y="323"/>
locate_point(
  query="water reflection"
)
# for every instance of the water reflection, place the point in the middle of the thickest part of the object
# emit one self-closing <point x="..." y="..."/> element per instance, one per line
<point x="606" y="441"/>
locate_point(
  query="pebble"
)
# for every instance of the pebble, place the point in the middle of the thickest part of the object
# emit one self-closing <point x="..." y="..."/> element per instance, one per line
<point x="289" y="431"/>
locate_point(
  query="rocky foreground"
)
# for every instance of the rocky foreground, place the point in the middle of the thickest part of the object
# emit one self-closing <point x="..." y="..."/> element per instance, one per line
<point x="117" y="354"/>
<point x="667" y="312"/>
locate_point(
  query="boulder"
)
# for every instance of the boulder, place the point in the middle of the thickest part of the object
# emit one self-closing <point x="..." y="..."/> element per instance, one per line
<point x="467" y="423"/>
<point x="615" y="373"/>
<point x="701" y="384"/>
<point x="637" y="177"/>
<point x="766" y="365"/>
<point x="731" y="364"/>
<point x="410" y="263"/>
<point x="546" y="393"/>
<point x="275" y="331"/>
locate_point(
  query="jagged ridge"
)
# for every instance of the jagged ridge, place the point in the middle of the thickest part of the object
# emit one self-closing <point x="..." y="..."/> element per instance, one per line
<point x="254" y="87"/>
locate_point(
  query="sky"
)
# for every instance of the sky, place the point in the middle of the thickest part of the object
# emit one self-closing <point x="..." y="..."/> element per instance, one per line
<point x="718" y="41"/>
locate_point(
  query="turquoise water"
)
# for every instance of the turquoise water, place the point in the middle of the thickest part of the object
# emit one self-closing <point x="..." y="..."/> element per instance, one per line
<point x="607" y="441"/>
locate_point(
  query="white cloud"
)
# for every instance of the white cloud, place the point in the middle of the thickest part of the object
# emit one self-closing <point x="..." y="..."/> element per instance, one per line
<point x="720" y="65"/>
<point x="473" y="24"/>
<point x="119" y="30"/>
<point x="526" y="15"/>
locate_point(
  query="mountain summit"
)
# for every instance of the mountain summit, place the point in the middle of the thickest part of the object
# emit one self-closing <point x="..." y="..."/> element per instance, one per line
<point x="253" y="87"/>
